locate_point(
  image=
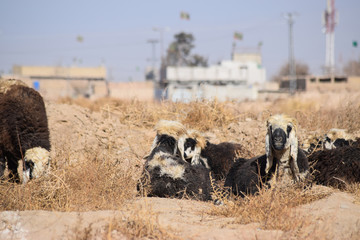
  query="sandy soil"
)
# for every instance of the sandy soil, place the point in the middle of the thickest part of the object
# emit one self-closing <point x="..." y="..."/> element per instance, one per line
<point x="335" y="217"/>
<point x="78" y="129"/>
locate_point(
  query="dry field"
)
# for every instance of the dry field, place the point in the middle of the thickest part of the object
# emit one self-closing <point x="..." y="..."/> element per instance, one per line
<point x="97" y="158"/>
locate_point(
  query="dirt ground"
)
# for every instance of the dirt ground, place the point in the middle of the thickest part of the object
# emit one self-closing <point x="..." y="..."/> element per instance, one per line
<point x="81" y="132"/>
<point x="335" y="217"/>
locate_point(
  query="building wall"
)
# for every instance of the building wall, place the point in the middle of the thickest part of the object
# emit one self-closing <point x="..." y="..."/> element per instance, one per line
<point x="60" y="72"/>
<point x="55" y="89"/>
<point x="352" y="84"/>
<point x="194" y="91"/>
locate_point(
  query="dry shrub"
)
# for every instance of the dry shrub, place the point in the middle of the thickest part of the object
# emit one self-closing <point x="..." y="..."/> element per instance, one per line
<point x="271" y="208"/>
<point x="354" y="189"/>
<point x="206" y="115"/>
<point x="201" y="115"/>
<point x="345" y="117"/>
<point x="93" y="184"/>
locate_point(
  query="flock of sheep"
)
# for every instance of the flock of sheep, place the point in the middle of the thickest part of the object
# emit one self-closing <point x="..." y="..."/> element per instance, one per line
<point x="181" y="162"/>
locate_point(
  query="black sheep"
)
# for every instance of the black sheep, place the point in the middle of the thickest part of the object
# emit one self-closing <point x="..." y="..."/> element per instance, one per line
<point x="336" y="167"/>
<point x="218" y="158"/>
<point x="24" y="132"/>
<point x="284" y="162"/>
<point x="248" y="175"/>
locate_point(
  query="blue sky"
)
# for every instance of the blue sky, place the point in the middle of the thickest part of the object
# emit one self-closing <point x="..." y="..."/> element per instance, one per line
<point x="115" y="33"/>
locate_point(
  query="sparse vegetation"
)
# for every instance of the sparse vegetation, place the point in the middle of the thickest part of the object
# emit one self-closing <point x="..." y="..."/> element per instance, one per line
<point x="102" y="173"/>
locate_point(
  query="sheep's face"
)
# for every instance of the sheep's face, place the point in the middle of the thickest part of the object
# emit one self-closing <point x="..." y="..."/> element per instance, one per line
<point x="281" y="132"/>
<point x="281" y="138"/>
<point x="37" y="163"/>
<point x="189" y="148"/>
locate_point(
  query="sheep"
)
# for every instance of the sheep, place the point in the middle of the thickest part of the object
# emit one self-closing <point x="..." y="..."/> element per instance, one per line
<point x="334" y="138"/>
<point x="247" y="175"/>
<point x="24" y="132"/>
<point x="336" y="167"/>
<point x="167" y="136"/>
<point x="218" y="158"/>
<point x="166" y="174"/>
<point x="283" y="163"/>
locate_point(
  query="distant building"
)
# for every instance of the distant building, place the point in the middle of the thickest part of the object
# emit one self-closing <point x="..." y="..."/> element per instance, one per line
<point x="236" y="79"/>
<point x="58" y="81"/>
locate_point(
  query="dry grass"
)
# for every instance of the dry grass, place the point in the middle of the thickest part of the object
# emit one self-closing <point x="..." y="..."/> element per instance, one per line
<point x="201" y="115"/>
<point x="81" y="186"/>
<point x="311" y="113"/>
<point x="354" y="189"/>
<point x="272" y="208"/>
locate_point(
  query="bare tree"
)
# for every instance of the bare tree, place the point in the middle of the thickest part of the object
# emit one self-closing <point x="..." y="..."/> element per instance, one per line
<point x="352" y="68"/>
<point x="302" y="69"/>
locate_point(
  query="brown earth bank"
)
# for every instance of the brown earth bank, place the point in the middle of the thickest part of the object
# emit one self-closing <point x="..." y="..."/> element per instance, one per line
<point x="334" y="217"/>
<point x="97" y="157"/>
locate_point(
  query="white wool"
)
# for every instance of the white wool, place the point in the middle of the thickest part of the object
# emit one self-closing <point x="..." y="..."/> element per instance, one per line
<point x="41" y="160"/>
<point x="168" y="166"/>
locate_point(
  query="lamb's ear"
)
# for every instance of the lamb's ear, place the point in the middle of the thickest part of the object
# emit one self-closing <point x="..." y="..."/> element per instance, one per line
<point x="294" y="147"/>
<point x="154" y="144"/>
<point x="195" y="160"/>
<point x="180" y="146"/>
<point x="269" y="155"/>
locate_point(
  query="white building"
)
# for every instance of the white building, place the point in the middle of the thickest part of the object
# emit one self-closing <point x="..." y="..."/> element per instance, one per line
<point x="236" y="79"/>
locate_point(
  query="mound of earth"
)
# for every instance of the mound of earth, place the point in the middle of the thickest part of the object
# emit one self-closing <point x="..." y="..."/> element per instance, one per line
<point x="334" y="217"/>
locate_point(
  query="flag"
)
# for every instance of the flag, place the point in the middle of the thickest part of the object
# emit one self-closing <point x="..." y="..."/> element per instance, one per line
<point x="238" y="36"/>
<point x="185" y="15"/>
<point x="355" y="43"/>
<point x="79" y="38"/>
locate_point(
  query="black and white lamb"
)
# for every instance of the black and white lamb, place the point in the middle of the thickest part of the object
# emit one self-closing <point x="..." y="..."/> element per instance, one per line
<point x="24" y="133"/>
<point x="166" y="174"/>
<point x="334" y="138"/>
<point x="284" y="162"/>
<point x="218" y="158"/>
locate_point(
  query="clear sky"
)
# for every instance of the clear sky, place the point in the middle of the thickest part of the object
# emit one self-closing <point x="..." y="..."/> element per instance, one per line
<point x="115" y="32"/>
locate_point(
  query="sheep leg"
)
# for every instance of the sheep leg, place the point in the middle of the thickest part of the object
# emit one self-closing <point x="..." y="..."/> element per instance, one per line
<point x="13" y="166"/>
<point x="2" y="166"/>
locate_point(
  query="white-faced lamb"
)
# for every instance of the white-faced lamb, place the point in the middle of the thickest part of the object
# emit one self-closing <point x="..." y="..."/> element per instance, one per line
<point x="336" y="167"/>
<point x="284" y="162"/>
<point x="24" y="133"/>
<point x="167" y="136"/>
<point x="166" y="174"/>
<point x="218" y="158"/>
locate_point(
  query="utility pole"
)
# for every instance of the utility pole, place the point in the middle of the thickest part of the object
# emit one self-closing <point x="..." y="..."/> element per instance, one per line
<point x="162" y="58"/>
<point x="329" y="23"/>
<point x="292" y="66"/>
<point x="153" y="42"/>
<point x="161" y="31"/>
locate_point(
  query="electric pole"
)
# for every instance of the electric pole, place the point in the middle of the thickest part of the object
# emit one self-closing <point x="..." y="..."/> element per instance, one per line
<point x="329" y="23"/>
<point x="153" y="42"/>
<point x="292" y="67"/>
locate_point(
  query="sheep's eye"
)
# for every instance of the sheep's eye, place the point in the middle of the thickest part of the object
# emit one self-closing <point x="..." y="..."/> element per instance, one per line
<point x="289" y="128"/>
